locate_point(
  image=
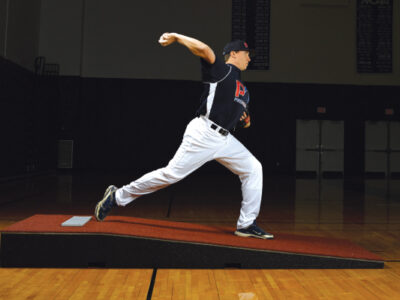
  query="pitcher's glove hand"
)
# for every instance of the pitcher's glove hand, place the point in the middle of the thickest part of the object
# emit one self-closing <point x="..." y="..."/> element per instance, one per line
<point x="244" y="121"/>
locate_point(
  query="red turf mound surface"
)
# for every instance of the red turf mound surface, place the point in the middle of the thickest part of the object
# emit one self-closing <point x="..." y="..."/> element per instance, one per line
<point x="187" y="232"/>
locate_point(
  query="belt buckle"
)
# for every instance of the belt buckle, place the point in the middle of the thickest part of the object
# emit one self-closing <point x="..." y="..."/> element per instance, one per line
<point x="223" y="132"/>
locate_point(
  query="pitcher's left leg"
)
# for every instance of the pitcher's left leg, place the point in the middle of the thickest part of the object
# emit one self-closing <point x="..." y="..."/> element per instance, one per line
<point x="252" y="185"/>
<point x="240" y="161"/>
<point x="237" y="158"/>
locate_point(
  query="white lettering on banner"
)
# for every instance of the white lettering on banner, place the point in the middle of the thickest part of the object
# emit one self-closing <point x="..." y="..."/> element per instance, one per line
<point x="376" y="2"/>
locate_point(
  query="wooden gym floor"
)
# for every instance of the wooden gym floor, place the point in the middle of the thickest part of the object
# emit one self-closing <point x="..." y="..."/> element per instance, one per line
<point x="365" y="211"/>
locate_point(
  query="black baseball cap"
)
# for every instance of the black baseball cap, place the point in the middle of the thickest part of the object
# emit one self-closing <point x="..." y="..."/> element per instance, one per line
<point x="237" y="45"/>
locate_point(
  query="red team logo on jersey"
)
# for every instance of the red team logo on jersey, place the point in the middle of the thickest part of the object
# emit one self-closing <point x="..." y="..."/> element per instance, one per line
<point x="240" y="89"/>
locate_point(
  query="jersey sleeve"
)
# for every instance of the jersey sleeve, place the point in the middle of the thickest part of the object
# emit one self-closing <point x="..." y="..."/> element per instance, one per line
<point x="213" y="72"/>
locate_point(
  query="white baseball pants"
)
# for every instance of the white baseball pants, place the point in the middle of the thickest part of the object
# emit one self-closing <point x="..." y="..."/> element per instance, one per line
<point x="201" y="144"/>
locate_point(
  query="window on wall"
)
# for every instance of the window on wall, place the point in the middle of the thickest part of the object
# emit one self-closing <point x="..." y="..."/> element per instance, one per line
<point x="251" y="23"/>
<point x="374" y="36"/>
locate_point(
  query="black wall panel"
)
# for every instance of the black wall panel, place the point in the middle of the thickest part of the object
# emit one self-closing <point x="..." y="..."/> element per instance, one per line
<point x="27" y="121"/>
<point x="137" y="125"/>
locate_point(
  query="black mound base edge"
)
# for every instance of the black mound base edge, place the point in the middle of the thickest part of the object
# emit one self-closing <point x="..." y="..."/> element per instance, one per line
<point x="113" y="251"/>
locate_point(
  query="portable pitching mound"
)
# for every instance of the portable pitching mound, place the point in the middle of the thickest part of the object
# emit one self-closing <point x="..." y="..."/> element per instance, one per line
<point x="126" y="242"/>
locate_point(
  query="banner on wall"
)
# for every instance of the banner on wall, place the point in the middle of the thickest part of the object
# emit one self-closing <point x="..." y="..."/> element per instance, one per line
<point x="251" y="22"/>
<point x="374" y="36"/>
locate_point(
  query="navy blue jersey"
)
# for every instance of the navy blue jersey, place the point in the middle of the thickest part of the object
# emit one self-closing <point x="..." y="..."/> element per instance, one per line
<point x="225" y="97"/>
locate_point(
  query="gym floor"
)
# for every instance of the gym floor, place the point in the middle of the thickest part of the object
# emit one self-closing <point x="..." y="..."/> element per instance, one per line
<point x="365" y="211"/>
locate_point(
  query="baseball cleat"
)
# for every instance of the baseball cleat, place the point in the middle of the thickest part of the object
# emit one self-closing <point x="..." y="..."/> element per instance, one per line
<point x="254" y="231"/>
<point x="104" y="206"/>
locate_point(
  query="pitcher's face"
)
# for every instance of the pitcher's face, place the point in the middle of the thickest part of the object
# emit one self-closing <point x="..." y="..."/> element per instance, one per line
<point x="243" y="59"/>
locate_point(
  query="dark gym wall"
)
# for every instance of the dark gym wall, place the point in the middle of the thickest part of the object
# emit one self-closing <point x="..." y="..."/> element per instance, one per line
<point x="125" y="101"/>
<point x="28" y="121"/>
<point x="137" y="124"/>
<point x="311" y="41"/>
<point x="19" y="31"/>
<point x="116" y="126"/>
